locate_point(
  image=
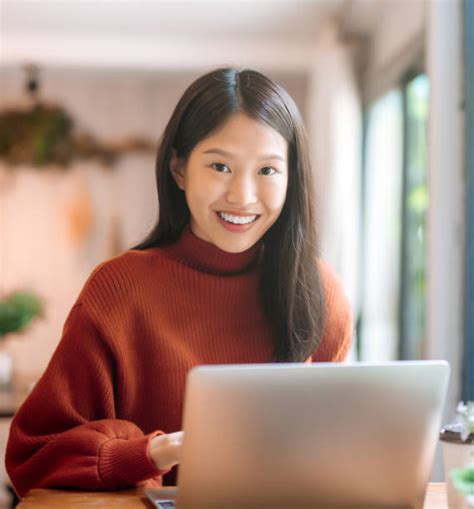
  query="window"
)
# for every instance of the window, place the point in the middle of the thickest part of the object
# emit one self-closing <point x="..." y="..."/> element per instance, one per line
<point x="415" y="204"/>
<point x="395" y="199"/>
<point x="382" y="229"/>
<point x="468" y="357"/>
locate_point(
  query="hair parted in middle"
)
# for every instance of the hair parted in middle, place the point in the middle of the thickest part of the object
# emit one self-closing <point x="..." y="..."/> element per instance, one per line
<point x="290" y="284"/>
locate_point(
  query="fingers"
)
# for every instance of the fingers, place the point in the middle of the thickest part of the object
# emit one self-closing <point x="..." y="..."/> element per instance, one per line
<point x="164" y="450"/>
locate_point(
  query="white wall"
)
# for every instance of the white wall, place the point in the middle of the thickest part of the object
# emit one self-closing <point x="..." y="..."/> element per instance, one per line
<point x="446" y="190"/>
<point x="399" y="23"/>
<point x="397" y="42"/>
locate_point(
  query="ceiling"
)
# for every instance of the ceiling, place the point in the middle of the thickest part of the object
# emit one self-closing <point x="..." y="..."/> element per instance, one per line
<point x="84" y="25"/>
<point x="151" y="18"/>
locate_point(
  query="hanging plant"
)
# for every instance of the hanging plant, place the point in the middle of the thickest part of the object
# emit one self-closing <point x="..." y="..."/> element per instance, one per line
<point x="44" y="134"/>
<point x="37" y="136"/>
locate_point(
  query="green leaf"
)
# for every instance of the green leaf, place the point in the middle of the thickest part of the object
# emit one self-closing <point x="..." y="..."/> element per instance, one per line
<point x="463" y="479"/>
<point x="17" y="311"/>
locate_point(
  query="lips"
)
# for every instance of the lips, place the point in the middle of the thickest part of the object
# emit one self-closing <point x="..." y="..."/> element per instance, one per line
<point x="238" y="219"/>
<point x="237" y="227"/>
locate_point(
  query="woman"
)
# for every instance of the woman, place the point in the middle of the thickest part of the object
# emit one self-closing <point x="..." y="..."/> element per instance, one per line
<point x="229" y="274"/>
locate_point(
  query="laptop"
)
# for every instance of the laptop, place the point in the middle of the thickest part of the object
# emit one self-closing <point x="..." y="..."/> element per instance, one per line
<point x="326" y="435"/>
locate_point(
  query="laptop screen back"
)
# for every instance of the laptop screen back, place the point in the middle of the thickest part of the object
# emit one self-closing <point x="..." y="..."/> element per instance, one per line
<point x="324" y="435"/>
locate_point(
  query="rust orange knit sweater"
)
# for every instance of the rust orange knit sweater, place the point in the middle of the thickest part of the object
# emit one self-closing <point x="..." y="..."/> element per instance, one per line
<point x="142" y="320"/>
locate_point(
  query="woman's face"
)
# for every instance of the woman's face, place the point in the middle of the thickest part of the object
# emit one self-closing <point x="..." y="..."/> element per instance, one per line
<point x="235" y="183"/>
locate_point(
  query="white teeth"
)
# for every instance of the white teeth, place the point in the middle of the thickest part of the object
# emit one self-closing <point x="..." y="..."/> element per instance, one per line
<point x="237" y="219"/>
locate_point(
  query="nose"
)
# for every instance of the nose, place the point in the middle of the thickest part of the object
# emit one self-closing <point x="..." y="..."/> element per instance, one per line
<point x="242" y="190"/>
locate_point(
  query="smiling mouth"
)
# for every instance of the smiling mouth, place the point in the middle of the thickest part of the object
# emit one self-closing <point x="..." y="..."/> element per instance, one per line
<point x="238" y="219"/>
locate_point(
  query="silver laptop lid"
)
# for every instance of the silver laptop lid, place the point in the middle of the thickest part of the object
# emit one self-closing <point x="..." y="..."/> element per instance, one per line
<point x="319" y="435"/>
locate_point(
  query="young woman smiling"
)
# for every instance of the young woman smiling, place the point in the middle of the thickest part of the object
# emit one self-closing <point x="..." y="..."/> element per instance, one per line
<point x="229" y="274"/>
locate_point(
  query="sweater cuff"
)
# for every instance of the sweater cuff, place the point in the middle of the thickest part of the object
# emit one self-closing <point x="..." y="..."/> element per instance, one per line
<point x="125" y="462"/>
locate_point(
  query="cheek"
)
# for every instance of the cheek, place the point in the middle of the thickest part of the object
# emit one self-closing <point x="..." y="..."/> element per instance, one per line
<point x="274" y="196"/>
<point x="200" y="191"/>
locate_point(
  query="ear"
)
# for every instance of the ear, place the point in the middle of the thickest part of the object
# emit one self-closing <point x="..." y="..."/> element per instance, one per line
<point x="177" y="169"/>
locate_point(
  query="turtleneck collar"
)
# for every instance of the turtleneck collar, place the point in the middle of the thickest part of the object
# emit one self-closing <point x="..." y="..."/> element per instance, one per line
<point x="206" y="257"/>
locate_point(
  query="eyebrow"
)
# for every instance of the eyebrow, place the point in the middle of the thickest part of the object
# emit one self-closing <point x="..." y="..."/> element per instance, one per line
<point x="229" y="154"/>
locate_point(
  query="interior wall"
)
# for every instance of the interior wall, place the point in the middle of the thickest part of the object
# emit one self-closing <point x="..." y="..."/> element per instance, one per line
<point x="399" y="23"/>
<point x="446" y="182"/>
<point x="398" y="41"/>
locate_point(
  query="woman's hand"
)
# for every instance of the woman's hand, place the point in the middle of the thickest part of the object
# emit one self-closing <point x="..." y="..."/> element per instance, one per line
<point x="165" y="450"/>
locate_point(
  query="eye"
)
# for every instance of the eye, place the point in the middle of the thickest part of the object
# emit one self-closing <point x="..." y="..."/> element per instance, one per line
<point x="221" y="168"/>
<point x="268" y="170"/>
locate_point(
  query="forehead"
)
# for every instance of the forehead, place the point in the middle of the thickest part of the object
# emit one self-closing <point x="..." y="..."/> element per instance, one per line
<point x="242" y="134"/>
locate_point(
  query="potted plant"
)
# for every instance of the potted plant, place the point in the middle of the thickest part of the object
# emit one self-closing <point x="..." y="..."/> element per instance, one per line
<point x="458" y="452"/>
<point x="17" y="310"/>
<point x="463" y="481"/>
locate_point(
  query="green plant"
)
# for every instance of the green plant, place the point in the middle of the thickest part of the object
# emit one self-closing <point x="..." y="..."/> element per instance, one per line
<point x="463" y="479"/>
<point x="45" y="134"/>
<point x="17" y="310"/>
<point x="38" y="136"/>
<point x="463" y="482"/>
<point x="465" y="417"/>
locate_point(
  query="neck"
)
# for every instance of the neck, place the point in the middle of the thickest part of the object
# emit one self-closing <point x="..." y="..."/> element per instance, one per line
<point x="206" y="257"/>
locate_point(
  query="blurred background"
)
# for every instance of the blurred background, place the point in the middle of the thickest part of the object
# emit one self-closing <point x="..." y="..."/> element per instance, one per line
<point x="386" y="91"/>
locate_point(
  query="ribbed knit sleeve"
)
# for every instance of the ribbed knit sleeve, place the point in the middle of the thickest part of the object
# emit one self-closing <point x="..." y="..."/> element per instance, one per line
<point x="339" y="325"/>
<point x="66" y="434"/>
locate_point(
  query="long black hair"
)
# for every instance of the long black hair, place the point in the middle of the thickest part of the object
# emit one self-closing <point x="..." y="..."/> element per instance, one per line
<point x="290" y="285"/>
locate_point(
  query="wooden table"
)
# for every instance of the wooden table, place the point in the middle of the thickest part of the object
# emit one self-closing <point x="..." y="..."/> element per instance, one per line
<point x="134" y="499"/>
